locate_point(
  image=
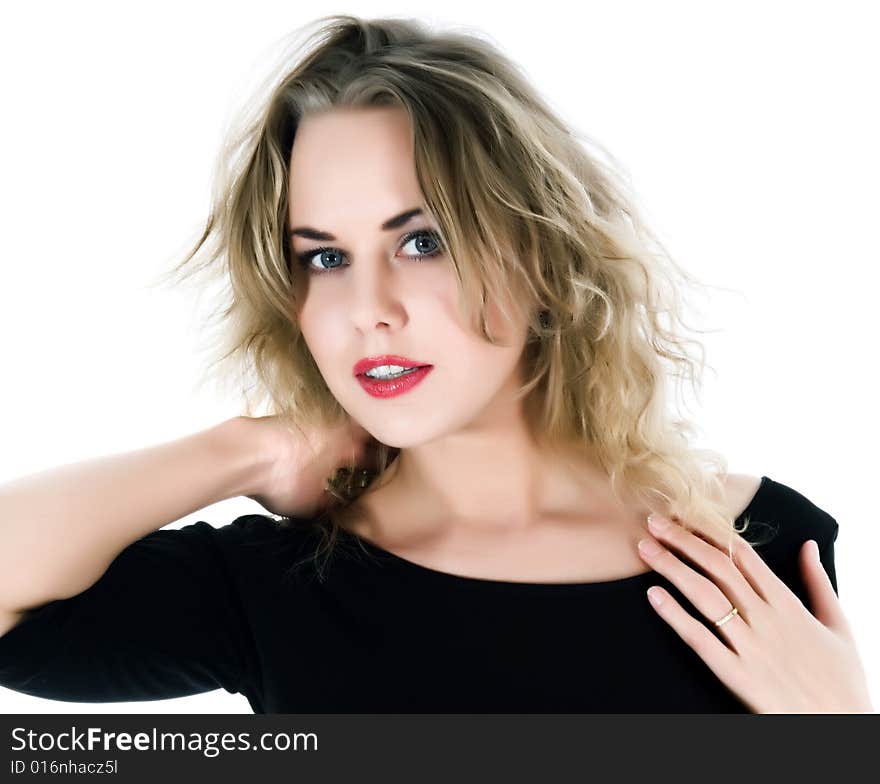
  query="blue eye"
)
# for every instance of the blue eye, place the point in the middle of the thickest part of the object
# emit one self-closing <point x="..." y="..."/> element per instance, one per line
<point x="305" y="259"/>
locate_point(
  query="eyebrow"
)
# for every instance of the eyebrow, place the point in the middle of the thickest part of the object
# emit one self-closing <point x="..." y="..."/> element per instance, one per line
<point x="392" y="223"/>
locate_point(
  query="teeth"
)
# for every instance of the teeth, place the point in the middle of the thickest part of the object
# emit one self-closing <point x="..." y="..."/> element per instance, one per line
<point x="389" y="371"/>
<point x="388" y="368"/>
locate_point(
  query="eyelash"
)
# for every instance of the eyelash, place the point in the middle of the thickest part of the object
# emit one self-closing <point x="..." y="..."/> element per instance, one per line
<point x="306" y="257"/>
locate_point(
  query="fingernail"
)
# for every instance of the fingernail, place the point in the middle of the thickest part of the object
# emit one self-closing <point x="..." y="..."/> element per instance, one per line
<point x="649" y="547"/>
<point x="657" y="523"/>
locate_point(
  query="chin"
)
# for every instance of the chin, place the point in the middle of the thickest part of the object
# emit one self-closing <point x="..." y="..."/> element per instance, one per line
<point x="398" y="440"/>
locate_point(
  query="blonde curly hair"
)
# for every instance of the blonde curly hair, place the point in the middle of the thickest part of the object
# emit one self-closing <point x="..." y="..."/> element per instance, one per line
<point x="524" y="203"/>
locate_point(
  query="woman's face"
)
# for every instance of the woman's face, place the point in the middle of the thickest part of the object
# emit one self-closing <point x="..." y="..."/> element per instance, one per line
<point x="351" y="171"/>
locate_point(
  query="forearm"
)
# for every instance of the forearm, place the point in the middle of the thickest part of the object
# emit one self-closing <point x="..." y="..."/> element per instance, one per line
<point x="60" y="529"/>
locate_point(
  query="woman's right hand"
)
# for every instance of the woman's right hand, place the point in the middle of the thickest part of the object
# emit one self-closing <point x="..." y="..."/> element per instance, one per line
<point x="301" y="463"/>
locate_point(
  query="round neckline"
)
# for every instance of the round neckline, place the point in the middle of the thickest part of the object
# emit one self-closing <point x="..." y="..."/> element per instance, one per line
<point x="516" y="585"/>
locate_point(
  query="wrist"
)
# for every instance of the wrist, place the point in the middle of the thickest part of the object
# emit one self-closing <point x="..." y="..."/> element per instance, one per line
<point x="247" y="459"/>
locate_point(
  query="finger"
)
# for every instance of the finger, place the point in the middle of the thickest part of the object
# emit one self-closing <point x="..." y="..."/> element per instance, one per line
<point x="720" y="659"/>
<point x="723" y="572"/>
<point x="763" y="580"/>
<point x="824" y="602"/>
<point x="702" y="593"/>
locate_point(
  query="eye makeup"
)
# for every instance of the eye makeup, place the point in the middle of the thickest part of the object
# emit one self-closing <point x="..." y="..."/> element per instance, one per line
<point x="305" y="258"/>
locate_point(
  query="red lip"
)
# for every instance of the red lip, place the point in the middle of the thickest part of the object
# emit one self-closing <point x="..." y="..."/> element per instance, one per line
<point x="395" y="387"/>
<point x="368" y="363"/>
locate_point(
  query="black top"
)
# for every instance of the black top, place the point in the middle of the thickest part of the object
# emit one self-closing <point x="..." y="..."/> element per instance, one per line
<point x="193" y="609"/>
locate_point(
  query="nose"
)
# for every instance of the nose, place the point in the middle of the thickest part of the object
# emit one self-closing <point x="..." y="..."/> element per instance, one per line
<point x="374" y="298"/>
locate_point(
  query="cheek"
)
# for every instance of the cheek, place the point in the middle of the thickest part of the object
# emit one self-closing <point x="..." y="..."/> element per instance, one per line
<point x="499" y="326"/>
<point x="477" y="358"/>
<point x="315" y="320"/>
<point x="509" y="330"/>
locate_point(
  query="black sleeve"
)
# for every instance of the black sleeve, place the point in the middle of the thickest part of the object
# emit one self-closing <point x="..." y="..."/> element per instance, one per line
<point x="792" y="518"/>
<point x="165" y="620"/>
<point x="826" y="555"/>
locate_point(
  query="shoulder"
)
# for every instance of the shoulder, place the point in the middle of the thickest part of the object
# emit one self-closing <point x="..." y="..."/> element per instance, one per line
<point x="779" y="518"/>
<point x="256" y="538"/>
<point x="256" y="551"/>
<point x="740" y="490"/>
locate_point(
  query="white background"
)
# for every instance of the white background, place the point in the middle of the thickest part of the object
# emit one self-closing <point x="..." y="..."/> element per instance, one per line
<point x="750" y="131"/>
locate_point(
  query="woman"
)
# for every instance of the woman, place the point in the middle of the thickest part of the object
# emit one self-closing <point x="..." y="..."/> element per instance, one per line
<point x="453" y="310"/>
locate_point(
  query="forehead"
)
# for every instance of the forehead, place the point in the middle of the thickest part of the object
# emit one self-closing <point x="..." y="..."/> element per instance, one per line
<point x="347" y="157"/>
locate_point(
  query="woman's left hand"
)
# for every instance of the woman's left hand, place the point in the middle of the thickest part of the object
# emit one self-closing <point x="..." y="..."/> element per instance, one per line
<point x="779" y="658"/>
